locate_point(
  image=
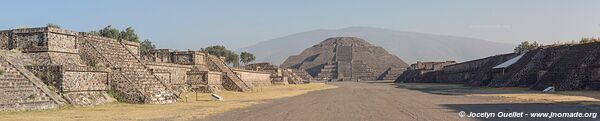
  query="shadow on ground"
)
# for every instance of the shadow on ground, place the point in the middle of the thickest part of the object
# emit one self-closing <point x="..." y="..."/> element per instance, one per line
<point x="500" y="112"/>
<point x="459" y="89"/>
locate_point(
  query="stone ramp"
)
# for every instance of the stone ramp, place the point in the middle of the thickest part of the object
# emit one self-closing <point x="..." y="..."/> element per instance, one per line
<point x="131" y="72"/>
<point x="232" y="81"/>
<point x="20" y="89"/>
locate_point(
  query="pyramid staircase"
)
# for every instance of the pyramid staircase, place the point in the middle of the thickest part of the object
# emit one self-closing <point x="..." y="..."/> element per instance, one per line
<point x="20" y="89"/>
<point x="232" y="81"/>
<point x="328" y="72"/>
<point x="360" y="70"/>
<point x="134" y="73"/>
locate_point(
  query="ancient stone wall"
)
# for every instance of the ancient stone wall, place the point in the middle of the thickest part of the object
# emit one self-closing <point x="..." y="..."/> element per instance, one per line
<point x="189" y="58"/>
<point x="5" y="39"/>
<point x="87" y="69"/>
<point x="475" y="72"/>
<point x="137" y="79"/>
<point x="254" y="78"/>
<point x="565" y="67"/>
<point x="174" y="75"/>
<point x="416" y="71"/>
<point x="214" y="78"/>
<point x="574" y="70"/>
<point x="158" y="55"/>
<point x="21" y="89"/>
<point x="133" y="47"/>
<point x="431" y="65"/>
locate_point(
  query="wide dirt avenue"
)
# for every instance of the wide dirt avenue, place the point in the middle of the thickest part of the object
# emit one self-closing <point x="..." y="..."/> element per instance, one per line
<point x="378" y="101"/>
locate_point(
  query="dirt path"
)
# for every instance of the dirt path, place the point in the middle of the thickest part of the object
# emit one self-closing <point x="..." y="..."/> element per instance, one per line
<point x="384" y="102"/>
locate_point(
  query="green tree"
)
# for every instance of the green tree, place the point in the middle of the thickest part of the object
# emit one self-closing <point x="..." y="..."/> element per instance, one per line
<point x="146" y="45"/>
<point x="217" y="50"/>
<point x="526" y="46"/>
<point x="233" y="58"/>
<point x="246" y="57"/>
<point x="110" y="32"/>
<point x="53" y="25"/>
<point x="129" y="35"/>
<point x="221" y="51"/>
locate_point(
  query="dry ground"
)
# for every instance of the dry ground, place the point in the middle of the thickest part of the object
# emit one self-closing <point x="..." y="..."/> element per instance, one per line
<point x="380" y="101"/>
<point x="515" y="93"/>
<point x="192" y="109"/>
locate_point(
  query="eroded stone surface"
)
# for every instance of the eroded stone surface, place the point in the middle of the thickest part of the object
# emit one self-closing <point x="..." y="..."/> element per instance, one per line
<point x="346" y="58"/>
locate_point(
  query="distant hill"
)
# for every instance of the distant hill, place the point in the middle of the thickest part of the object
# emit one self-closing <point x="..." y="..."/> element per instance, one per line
<point x="409" y="46"/>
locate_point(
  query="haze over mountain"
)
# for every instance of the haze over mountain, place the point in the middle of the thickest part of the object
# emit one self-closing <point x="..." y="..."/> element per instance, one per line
<point x="409" y="46"/>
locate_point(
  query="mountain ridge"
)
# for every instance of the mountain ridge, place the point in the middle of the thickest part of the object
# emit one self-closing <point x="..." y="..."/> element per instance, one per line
<point x="409" y="46"/>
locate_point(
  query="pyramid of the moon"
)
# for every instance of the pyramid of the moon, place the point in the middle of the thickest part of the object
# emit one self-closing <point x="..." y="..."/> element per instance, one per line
<point x="347" y="58"/>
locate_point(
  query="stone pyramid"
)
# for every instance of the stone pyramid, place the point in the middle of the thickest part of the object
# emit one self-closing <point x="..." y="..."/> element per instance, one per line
<point x="347" y="58"/>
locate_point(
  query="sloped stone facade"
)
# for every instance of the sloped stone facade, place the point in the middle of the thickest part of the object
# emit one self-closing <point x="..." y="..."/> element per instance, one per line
<point x="345" y="58"/>
<point x="565" y="67"/>
<point x="62" y="66"/>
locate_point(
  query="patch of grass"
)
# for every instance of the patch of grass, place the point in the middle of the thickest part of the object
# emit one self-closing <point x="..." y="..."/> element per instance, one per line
<point x="51" y="88"/>
<point x="117" y="95"/>
<point x="31" y="97"/>
<point x="192" y="109"/>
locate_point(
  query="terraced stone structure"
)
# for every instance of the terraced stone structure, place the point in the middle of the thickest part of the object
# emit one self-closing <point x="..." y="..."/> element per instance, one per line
<point x="280" y="76"/>
<point x="474" y="72"/>
<point x="76" y="68"/>
<point x="565" y="67"/>
<point x="48" y="67"/>
<point x="417" y="70"/>
<point x="200" y="71"/>
<point x="345" y="59"/>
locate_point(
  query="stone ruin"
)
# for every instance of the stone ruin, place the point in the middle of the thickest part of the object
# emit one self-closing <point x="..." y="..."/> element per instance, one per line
<point x="565" y="67"/>
<point x="416" y="70"/>
<point x="345" y="59"/>
<point x="48" y="67"/>
<point x="281" y="75"/>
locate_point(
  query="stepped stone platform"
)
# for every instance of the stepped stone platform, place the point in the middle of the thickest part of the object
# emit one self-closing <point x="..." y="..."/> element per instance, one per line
<point x="417" y="70"/>
<point x="346" y="59"/>
<point x="48" y="67"/>
<point x="20" y="89"/>
<point x="565" y="67"/>
<point x="280" y="76"/>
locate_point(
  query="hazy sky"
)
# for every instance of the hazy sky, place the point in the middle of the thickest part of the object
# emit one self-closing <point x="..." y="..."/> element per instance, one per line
<point x="195" y="24"/>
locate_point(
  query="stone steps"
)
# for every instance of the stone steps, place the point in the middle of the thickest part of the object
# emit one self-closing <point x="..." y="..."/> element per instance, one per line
<point x="134" y="70"/>
<point x="17" y="92"/>
<point x="235" y="81"/>
<point x="328" y="72"/>
<point x="28" y="105"/>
